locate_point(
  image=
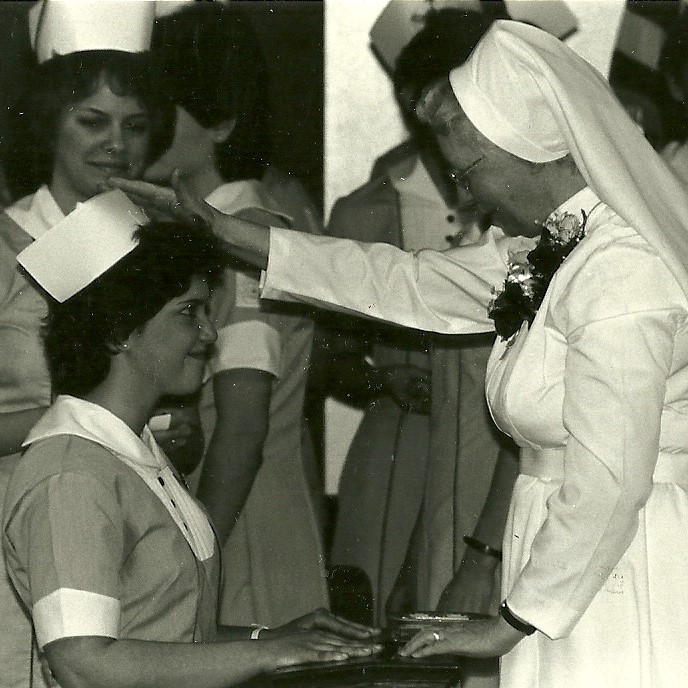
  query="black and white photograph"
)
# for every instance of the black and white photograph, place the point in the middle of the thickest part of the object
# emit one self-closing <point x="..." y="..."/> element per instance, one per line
<point x="343" y="343"/>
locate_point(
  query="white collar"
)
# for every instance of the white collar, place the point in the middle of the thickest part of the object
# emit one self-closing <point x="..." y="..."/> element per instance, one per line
<point x="73" y="416"/>
<point x="36" y="213"/>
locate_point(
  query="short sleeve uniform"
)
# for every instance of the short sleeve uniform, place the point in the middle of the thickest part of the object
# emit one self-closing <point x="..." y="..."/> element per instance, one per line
<point x="93" y="548"/>
<point x="246" y="336"/>
<point x="24" y="384"/>
<point x="276" y="543"/>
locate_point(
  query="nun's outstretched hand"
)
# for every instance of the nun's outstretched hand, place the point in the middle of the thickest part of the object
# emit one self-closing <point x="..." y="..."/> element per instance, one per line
<point x="176" y="202"/>
<point x="246" y="240"/>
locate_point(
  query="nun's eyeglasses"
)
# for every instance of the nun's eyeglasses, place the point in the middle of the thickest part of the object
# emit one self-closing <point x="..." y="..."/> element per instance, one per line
<point x="460" y="177"/>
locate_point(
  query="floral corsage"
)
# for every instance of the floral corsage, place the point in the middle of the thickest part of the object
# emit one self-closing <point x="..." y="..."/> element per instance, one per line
<point x="530" y="272"/>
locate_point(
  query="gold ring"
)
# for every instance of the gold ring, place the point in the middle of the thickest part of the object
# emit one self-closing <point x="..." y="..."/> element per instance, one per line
<point x="436" y="636"/>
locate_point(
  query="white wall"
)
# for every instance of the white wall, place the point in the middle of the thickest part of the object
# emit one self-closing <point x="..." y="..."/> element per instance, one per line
<point x="361" y="122"/>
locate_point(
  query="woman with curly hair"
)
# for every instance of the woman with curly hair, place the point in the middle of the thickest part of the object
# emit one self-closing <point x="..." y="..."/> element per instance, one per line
<point x="115" y="561"/>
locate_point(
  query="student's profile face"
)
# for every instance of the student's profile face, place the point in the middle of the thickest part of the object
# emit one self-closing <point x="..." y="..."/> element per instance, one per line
<point x="171" y="350"/>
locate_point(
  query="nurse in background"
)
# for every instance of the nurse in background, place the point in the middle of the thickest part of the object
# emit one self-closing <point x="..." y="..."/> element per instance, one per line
<point x="255" y="475"/>
<point x="403" y="466"/>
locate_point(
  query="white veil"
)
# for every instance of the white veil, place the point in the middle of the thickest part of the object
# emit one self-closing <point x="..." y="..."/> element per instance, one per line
<point x="534" y="97"/>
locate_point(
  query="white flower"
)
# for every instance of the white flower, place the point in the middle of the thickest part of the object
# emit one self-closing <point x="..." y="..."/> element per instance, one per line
<point x="520" y="272"/>
<point x="564" y="227"/>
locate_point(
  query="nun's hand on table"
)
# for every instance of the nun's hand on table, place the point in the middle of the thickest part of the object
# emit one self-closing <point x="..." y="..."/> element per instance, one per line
<point x="481" y="638"/>
<point x="177" y="202"/>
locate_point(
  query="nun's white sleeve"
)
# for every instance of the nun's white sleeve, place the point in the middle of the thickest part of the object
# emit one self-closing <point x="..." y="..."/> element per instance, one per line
<point x="446" y="292"/>
<point x="622" y="315"/>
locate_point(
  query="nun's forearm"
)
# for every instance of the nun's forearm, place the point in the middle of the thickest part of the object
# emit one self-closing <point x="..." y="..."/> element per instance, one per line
<point x="245" y="240"/>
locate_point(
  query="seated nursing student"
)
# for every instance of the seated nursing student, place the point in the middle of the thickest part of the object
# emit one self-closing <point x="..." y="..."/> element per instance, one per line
<point x="116" y="563"/>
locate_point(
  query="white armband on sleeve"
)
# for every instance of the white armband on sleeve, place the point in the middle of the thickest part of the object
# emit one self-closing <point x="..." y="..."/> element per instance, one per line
<point x="67" y="613"/>
<point x="250" y="344"/>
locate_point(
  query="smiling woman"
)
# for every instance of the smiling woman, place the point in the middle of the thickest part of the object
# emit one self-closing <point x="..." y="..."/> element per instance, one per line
<point x="102" y="135"/>
<point x="164" y="342"/>
<point x="83" y="116"/>
<point x="116" y="562"/>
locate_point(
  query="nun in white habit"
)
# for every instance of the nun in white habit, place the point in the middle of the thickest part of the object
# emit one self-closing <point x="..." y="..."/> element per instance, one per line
<point x="589" y="374"/>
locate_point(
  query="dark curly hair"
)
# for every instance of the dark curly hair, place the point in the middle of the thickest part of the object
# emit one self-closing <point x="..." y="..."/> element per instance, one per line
<point x="82" y="334"/>
<point x="446" y="40"/>
<point x="208" y="59"/>
<point x="60" y="83"/>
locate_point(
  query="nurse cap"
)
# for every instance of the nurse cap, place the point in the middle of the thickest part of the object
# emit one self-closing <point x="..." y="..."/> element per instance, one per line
<point x="60" y="27"/>
<point x="401" y="20"/>
<point x="85" y="244"/>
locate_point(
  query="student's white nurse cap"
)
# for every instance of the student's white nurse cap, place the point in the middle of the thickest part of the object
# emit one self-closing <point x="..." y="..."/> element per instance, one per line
<point x="89" y="241"/>
<point x="60" y="27"/>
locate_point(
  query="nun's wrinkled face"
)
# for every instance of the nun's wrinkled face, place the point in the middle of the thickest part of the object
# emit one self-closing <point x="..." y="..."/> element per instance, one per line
<point x="508" y="189"/>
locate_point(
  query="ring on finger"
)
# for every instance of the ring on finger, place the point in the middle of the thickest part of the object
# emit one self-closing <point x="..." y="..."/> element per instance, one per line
<point x="436" y="636"/>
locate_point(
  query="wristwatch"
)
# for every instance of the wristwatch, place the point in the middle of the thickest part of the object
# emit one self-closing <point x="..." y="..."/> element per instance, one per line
<point x="519" y="625"/>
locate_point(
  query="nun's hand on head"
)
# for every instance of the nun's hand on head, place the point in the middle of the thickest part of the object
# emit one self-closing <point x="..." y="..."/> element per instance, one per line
<point x="177" y="202"/>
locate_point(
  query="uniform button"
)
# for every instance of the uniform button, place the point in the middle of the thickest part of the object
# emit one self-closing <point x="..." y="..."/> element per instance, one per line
<point x="451" y="218"/>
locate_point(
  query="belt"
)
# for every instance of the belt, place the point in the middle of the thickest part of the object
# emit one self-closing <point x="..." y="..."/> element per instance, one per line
<point x="548" y="465"/>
